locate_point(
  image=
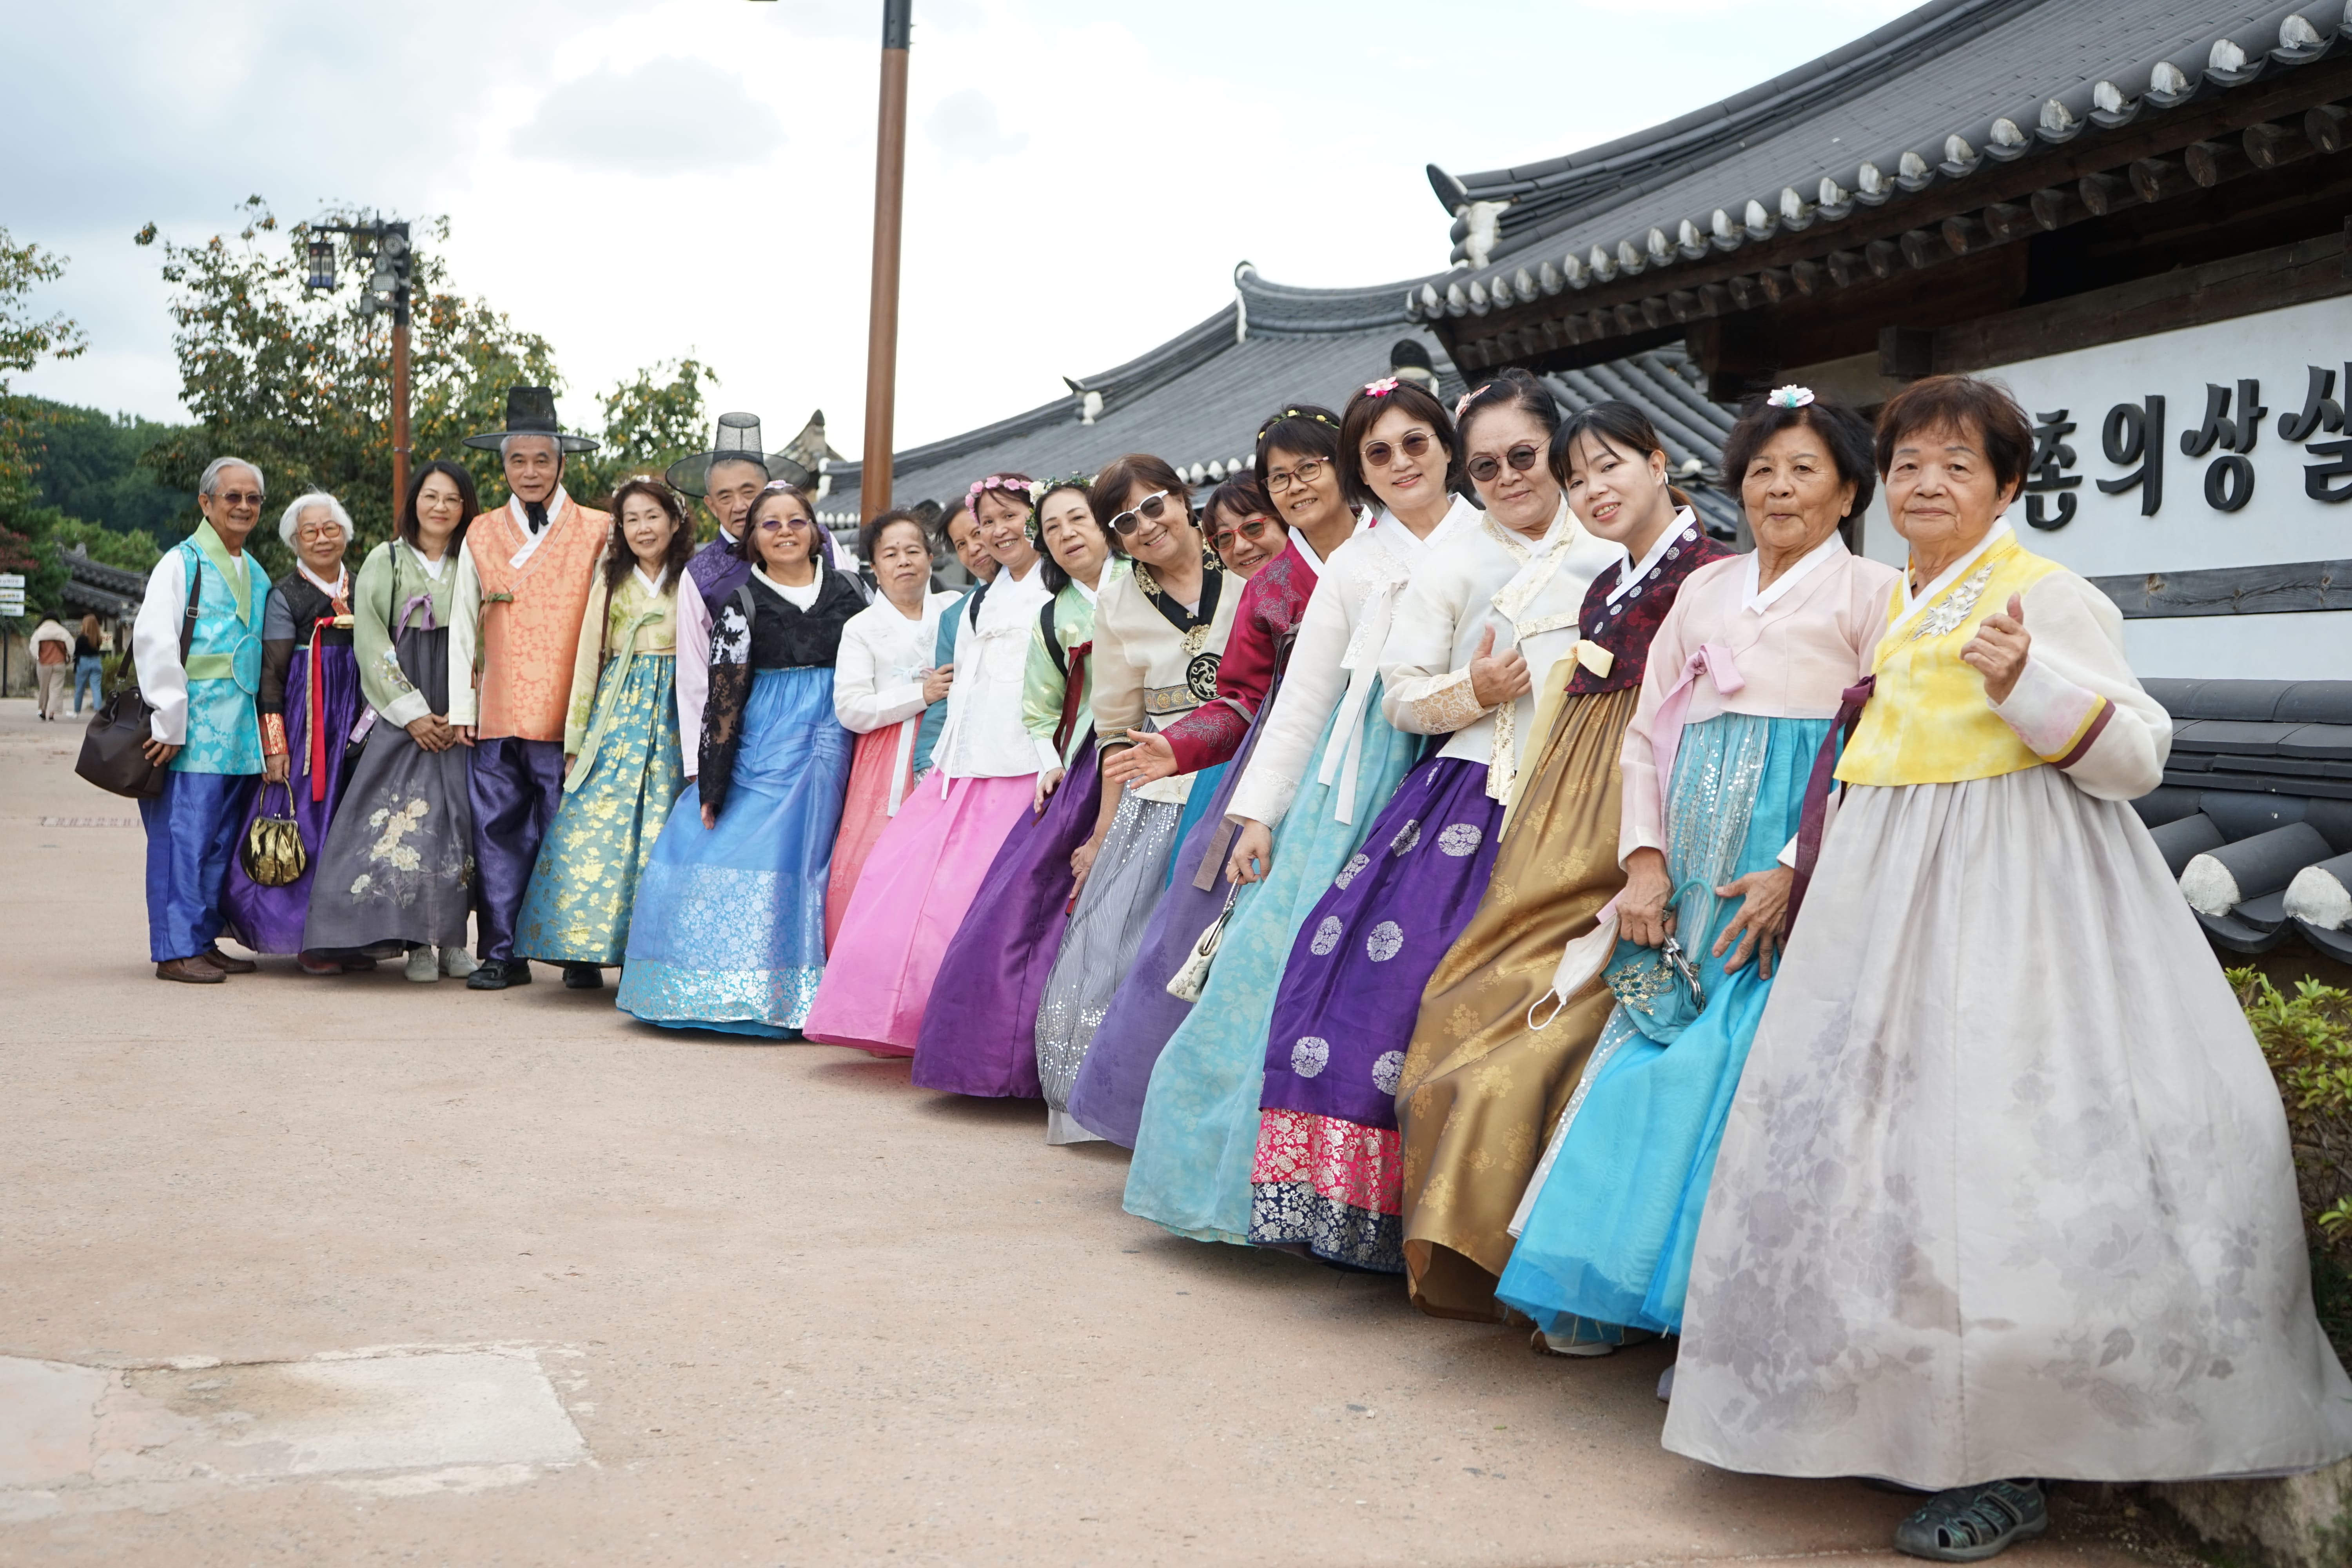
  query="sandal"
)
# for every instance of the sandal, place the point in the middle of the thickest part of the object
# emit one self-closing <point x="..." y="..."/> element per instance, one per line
<point x="1968" y="1524"/>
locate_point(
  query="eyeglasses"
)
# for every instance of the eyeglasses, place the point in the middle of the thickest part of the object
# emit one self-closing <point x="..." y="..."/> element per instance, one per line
<point x="1152" y="508"/>
<point x="1484" y="466"/>
<point x="239" y="497"/>
<point x="1378" y="454"/>
<point x="1282" y="480"/>
<point x="771" y="524"/>
<point x="330" y="529"/>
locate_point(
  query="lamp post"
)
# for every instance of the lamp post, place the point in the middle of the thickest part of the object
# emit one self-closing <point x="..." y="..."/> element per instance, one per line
<point x="882" y="321"/>
<point x="387" y="290"/>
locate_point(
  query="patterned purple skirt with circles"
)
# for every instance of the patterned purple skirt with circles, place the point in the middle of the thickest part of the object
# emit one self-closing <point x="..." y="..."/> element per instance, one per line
<point x="1352" y="987"/>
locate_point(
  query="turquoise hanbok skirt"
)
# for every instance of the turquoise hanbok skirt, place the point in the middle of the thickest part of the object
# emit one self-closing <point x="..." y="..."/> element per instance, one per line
<point x="1608" y="1236"/>
<point x="1197" y="1142"/>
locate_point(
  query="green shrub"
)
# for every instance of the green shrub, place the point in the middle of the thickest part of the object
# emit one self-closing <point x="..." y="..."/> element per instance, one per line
<point x="2307" y="1039"/>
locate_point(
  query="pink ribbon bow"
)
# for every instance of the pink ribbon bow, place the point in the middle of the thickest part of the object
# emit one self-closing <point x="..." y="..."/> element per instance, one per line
<point x="1711" y="659"/>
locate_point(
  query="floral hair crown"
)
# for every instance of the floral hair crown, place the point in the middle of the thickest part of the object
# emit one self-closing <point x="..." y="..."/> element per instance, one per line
<point x="1040" y="488"/>
<point x="1789" y="396"/>
<point x="1380" y="388"/>
<point x="1317" y="415"/>
<point x="1010" y="485"/>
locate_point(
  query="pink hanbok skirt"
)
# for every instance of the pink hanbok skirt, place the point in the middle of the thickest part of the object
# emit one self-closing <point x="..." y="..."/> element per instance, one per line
<point x="864" y="815"/>
<point x="910" y="900"/>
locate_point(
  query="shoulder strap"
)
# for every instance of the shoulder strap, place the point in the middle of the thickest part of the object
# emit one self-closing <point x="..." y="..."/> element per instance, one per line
<point x="1054" y="649"/>
<point x="195" y="560"/>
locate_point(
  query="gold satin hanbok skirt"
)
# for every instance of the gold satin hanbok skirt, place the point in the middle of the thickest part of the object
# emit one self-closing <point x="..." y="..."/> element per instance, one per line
<point x="1481" y="1091"/>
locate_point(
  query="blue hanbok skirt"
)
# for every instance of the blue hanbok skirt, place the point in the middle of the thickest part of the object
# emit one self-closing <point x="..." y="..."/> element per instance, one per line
<point x="1195" y="1138"/>
<point x="729" y="928"/>
<point x="1607" y="1235"/>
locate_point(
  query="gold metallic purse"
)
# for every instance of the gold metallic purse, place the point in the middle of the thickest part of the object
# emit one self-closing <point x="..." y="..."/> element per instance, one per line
<point x="272" y="852"/>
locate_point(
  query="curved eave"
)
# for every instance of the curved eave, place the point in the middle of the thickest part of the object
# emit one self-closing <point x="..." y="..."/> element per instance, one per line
<point x="1915" y="206"/>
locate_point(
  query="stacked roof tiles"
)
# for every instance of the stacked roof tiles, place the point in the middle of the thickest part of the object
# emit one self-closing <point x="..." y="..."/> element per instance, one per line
<point x="2254" y="815"/>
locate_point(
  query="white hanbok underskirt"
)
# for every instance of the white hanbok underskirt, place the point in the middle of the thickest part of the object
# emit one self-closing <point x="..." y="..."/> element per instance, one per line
<point x="2007" y="1188"/>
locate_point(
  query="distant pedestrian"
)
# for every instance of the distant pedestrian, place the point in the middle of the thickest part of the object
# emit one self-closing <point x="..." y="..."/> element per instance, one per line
<point x="205" y="731"/>
<point x="53" y="658"/>
<point x="90" y="664"/>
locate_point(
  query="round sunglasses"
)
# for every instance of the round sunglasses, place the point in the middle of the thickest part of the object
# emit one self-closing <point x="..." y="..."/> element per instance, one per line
<point x="1522" y="457"/>
<point x="1152" y="508"/>
<point x="1378" y="454"/>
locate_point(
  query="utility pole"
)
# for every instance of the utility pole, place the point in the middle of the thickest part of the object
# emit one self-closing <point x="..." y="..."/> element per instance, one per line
<point x="889" y="201"/>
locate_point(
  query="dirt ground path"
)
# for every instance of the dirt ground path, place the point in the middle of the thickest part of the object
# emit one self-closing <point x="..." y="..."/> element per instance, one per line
<point x="740" y="1304"/>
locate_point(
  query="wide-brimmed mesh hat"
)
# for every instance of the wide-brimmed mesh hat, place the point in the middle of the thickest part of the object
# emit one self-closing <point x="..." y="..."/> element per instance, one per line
<point x="737" y="440"/>
<point x="531" y="411"/>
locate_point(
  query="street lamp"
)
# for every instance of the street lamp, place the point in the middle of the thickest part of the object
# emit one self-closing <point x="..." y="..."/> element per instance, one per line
<point x="386" y="242"/>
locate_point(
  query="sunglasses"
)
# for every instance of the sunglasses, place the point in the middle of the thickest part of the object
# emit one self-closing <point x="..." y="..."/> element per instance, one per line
<point x="771" y="524"/>
<point x="239" y="497"/>
<point x="1305" y="474"/>
<point x="1522" y="457"/>
<point x="1378" y="454"/>
<point x="1152" y="508"/>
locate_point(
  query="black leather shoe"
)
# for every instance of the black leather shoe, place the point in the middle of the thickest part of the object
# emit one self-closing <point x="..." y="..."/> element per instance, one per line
<point x="497" y="975"/>
<point x="582" y="978"/>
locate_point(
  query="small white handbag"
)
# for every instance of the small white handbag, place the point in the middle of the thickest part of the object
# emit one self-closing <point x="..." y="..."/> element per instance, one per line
<point x="1186" y="983"/>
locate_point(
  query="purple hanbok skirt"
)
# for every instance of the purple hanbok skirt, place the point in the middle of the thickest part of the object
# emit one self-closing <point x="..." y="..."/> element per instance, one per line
<point x="979" y="1031"/>
<point x="1107" y="1098"/>
<point x="270" y="919"/>
<point x="1350" y="994"/>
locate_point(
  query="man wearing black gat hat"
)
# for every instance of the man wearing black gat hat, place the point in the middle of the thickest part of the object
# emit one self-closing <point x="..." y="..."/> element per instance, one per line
<point x="523" y="576"/>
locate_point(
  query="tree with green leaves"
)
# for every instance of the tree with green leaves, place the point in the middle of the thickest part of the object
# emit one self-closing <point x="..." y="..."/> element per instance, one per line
<point x="302" y="385"/>
<point x="25" y="341"/>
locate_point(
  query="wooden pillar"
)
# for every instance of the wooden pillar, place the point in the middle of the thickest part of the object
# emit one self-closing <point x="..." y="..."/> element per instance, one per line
<point x="882" y="325"/>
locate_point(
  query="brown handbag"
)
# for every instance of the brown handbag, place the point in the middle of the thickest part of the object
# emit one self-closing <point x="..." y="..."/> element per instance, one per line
<point x="113" y="749"/>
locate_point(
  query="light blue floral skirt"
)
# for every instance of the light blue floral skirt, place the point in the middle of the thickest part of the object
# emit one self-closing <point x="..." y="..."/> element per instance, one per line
<point x="729" y="931"/>
<point x="1197" y="1140"/>
<point x="1608" y="1236"/>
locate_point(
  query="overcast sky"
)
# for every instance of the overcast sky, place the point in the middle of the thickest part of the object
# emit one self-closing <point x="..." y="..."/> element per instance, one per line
<point x="641" y="180"/>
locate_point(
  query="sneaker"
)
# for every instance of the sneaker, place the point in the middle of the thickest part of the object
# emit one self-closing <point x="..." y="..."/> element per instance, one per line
<point x="582" y="978"/>
<point x="1666" y="1386"/>
<point x="457" y="963"/>
<point x="1543" y="1343"/>
<point x="421" y="967"/>
<point x="1968" y="1524"/>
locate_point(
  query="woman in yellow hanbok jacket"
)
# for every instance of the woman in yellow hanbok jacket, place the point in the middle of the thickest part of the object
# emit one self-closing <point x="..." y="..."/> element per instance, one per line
<point x="2006" y="1190"/>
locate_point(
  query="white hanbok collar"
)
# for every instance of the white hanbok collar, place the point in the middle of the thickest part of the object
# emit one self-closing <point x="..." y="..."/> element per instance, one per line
<point x="555" y="504"/>
<point x="1946" y="577"/>
<point x="1819" y="555"/>
<point x="338" y="589"/>
<point x="432" y="569"/>
<point x="1631" y="574"/>
<point x="654" y="585"/>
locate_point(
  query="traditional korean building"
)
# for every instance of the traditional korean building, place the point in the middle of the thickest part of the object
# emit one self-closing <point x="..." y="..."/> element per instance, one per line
<point x="2134" y="212"/>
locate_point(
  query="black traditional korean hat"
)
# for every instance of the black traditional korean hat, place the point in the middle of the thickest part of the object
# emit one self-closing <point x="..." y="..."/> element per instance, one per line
<point x="737" y="440"/>
<point x="531" y="411"/>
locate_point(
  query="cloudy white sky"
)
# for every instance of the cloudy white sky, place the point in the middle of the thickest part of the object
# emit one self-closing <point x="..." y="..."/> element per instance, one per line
<point x="638" y="179"/>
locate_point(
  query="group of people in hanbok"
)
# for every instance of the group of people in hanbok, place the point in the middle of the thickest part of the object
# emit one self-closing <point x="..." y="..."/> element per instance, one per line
<point x="1436" y="856"/>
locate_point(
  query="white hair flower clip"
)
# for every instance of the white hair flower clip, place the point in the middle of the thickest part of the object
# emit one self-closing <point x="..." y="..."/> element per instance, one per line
<point x="1790" y="397"/>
